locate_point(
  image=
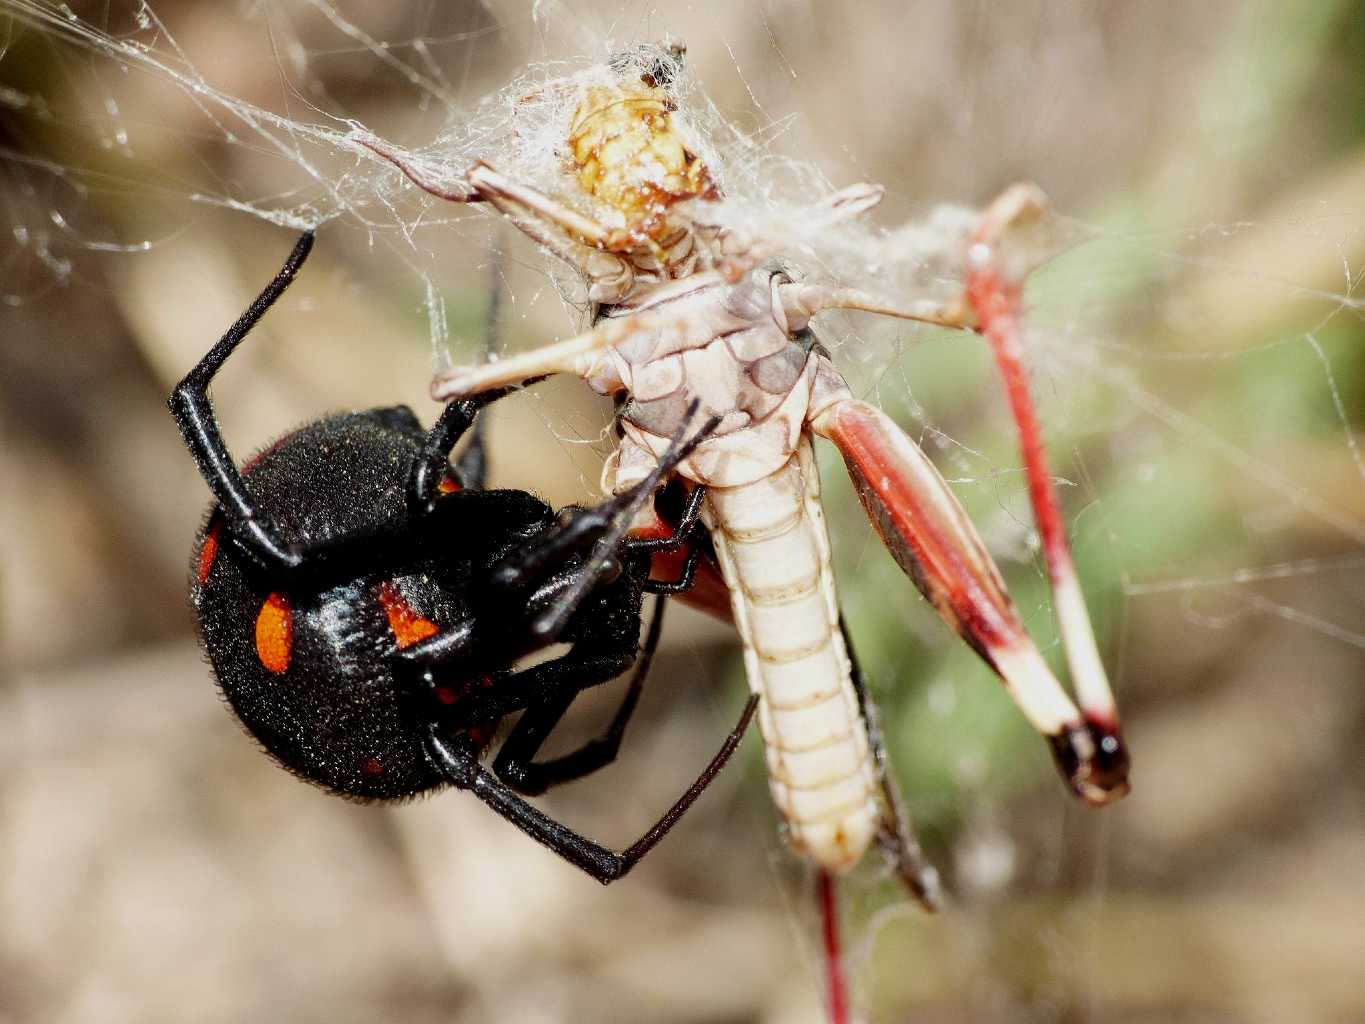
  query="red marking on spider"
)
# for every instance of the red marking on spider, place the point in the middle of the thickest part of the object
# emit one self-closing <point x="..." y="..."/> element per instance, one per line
<point x="408" y="626"/>
<point x="447" y="485"/>
<point x="449" y="695"/>
<point x="482" y="734"/>
<point x="372" y="766"/>
<point x="275" y="632"/>
<point x="208" y="551"/>
<point x="658" y="530"/>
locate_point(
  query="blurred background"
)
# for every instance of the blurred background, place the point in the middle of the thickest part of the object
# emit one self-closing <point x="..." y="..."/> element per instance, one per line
<point x="1200" y="369"/>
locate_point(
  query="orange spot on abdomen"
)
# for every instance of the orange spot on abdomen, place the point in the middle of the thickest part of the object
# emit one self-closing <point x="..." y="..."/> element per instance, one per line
<point x="447" y="485"/>
<point x="275" y="632"/>
<point x="408" y="626"/>
<point x="208" y="551"/>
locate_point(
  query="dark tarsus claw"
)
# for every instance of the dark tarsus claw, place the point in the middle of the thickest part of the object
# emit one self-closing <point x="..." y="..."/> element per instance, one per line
<point x="1094" y="761"/>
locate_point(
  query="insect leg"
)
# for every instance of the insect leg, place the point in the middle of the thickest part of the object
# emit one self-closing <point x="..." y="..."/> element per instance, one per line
<point x="577" y="240"/>
<point x="458" y="762"/>
<point x="578" y="355"/>
<point x="802" y="301"/>
<point x="930" y="536"/>
<point x="995" y="291"/>
<point x="836" y="978"/>
<point x="193" y="412"/>
<point x="472" y="466"/>
<point x="459" y="191"/>
<point x="471" y="471"/>
<point x="1017" y="221"/>
<point x="897" y="837"/>
<point x="492" y="184"/>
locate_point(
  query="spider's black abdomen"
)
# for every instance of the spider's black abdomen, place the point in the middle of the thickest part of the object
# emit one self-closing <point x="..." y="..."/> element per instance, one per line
<point x="338" y="477"/>
<point x="307" y="662"/>
<point x="318" y="692"/>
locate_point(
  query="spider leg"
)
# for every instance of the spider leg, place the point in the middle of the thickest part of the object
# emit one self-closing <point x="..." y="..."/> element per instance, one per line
<point x="897" y="837"/>
<point x="431" y="462"/>
<point x="189" y="403"/>
<point x="563" y="678"/>
<point x="687" y="522"/>
<point x="471" y="468"/>
<point x="931" y="538"/>
<point x="514" y="763"/>
<point x="460" y="653"/>
<point x="677" y="542"/>
<point x="458" y="761"/>
<point x="603" y="646"/>
<point x="681" y="562"/>
<point x="684" y="580"/>
<point x="605" y="527"/>
<point x="614" y="517"/>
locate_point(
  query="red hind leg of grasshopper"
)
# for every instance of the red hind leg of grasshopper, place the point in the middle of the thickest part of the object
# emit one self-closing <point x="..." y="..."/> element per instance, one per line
<point x="996" y="298"/>
<point x="836" y="981"/>
<point x="928" y="533"/>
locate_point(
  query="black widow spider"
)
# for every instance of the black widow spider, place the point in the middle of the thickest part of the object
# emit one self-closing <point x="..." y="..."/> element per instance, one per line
<point x="363" y="603"/>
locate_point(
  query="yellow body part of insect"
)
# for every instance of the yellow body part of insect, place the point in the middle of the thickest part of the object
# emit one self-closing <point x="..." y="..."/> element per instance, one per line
<point x="630" y="154"/>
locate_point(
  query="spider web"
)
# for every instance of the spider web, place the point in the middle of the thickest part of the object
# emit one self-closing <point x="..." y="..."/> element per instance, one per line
<point x="1196" y="350"/>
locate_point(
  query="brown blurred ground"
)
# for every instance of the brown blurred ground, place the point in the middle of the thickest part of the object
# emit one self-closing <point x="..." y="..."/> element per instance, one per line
<point x="154" y="867"/>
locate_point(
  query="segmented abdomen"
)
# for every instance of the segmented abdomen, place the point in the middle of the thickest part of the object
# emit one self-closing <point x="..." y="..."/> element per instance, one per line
<point x="773" y="547"/>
